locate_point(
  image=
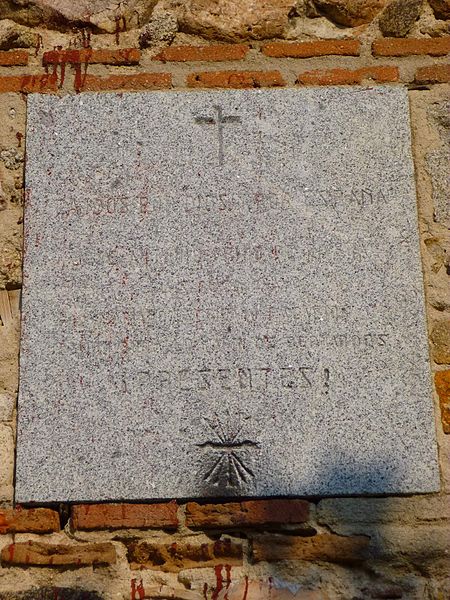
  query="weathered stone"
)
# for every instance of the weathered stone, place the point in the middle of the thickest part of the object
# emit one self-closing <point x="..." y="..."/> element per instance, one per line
<point x="440" y="336"/>
<point x="235" y="19"/>
<point x="246" y="284"/>
<point x="6" y="455"/>
<point x="55" y="555"/>
<point x="399" y="16"/>
<point x="13" y="35"/>
<point x="350" y="12"/>
<point x="12" y="158"/>
<point x="164" y="592"/>
<point x="327" y="547"/>
<point x="52" y="593"/>
<point x="340" y="513"/>
<point x="102" y="15"/>
<point x="441" y="8"/>
<point x="7" y="403"/>
<point x="438" y="167"/>
<point x="267" y="590"/>
<point x="162" y="27"/>
<point x="175" y="556"/>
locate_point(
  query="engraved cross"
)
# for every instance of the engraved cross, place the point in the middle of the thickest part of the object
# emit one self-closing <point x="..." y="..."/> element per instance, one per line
<point x="220" y="121"/>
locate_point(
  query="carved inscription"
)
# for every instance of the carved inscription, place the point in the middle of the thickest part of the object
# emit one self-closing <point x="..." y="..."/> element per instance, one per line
<point x="242" y="378"/>
<point x="219" y="121"/>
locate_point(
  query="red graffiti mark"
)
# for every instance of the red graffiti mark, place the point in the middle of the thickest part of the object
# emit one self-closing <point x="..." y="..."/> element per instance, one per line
<point x="11" y="550"/>
<point x="121" y="26"/>
<point x="86" y="38"/>
<point x="219" y="582"/>
<point x="19" y="137"/>
<point x="228" y="579"/>
<point x="38" y="44"/>
<point x="244" y="597"/>
<point x="137" y="589"/>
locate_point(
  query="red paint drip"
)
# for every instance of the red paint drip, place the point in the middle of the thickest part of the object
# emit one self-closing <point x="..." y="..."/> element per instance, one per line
<point x="11" y="550"/>
<point x="137" y="589"/>
<point x="219" y="582"/>
<point x="246" y="588"/>
<point x="205" y="591"/>
<point x="38" y="45"/>
<point x="228" y="581"/>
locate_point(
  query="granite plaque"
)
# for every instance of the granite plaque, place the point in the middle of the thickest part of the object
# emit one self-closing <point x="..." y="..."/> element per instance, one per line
<point x="222" y="297"/>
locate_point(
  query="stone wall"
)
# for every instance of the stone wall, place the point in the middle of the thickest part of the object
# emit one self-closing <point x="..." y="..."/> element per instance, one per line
<point x="355" y="548"/>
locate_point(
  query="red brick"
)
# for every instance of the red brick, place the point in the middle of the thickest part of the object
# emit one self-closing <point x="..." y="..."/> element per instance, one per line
<point x="246" y="514"/>
<point x="124" y="516"/>
<point x="410" y="46"/>
<point x="180" y="554"/>
<point x="14" y="58"/>
<point x="235" y="79"/>
<point x="29" y="83"/>
<point x="308" y="49"/>
<point x="348" y="76"/>
<point x="121" y="56"/>
<point x="32" y="520"/>
<point x="327" y="547"/>
<point x="138" y="81"/>
<point x="203" y="53"/>
<point x="442" y="383"/>
<point x="433" y="74"/>
<point x="55" y="555"/>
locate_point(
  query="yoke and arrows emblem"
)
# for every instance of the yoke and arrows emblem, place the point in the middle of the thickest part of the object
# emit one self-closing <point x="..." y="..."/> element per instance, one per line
<point x="220" y="121"/>
<point x="228" y="448"/>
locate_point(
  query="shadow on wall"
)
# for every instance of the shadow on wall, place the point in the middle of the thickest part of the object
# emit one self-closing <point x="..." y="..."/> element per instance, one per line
<point x="350" y="548"/>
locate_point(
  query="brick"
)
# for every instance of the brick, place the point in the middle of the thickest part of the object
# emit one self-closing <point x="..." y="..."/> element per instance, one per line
<point x="32" y="520"/>
<point x="442" y="383"/>
<point x="250" y="513"/>
<point x="121" y="56"/>
<point x="178" y="555"/>
<point x="235" y="79"/>
<point x="29" y="84"/>
<point x="203" y="53"/>
<point x="327" y="547"/>
<point x="309" y="49"/>
<point x="55" y="555"/>
<point x="440" y="336"/>
<point x="125" y="516"/>
<point x="433" y="74"/>
<point x="138" y="81"/>
<point x="411" y="46"/>
<point x="13" y="58"/>
<point x="348" y="76"/>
